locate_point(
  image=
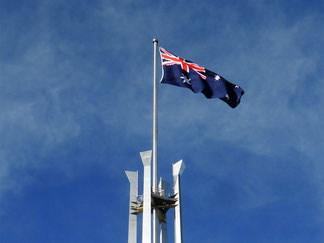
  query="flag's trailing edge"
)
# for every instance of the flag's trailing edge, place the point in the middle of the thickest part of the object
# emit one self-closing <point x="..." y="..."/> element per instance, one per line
<point x="184" y="73"/>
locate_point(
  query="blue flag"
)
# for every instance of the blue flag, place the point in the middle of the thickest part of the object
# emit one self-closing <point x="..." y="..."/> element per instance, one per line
<point x="184" y="73"/>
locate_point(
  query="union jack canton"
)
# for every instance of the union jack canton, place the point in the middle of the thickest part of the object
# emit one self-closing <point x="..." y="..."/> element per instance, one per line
<point x="184" y="73"/>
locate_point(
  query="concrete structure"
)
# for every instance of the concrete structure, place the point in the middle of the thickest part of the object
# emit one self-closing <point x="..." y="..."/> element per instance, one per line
<point x="159" y="200"/>
<point x="177" y="170"/>
<point x="133" y="194"/>
<point x="147" y="194"/>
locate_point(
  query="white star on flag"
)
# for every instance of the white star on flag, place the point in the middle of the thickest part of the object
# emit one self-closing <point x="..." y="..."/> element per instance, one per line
<point x="185" y="80"/>
<point x="217" y="77"/>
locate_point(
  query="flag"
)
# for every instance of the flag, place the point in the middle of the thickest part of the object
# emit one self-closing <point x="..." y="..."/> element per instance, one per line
<point x="184" y="73"/>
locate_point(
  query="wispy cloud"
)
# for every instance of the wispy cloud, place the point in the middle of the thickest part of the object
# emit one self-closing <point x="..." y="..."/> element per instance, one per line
<point x="76" y="92"/>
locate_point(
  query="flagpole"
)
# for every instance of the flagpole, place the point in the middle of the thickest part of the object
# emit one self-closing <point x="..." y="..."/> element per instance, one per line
<point x="154" y="183"/>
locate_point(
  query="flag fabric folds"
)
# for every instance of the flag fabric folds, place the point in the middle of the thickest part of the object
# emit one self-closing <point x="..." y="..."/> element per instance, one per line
<point x="184" y="73"/>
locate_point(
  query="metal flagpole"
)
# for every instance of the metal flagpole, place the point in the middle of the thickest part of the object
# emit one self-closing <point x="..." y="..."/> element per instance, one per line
<point x="154" y="182"/>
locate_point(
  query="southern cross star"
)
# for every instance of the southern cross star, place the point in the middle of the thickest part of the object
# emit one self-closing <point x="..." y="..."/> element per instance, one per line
<point x="217" y="78"/>
<point x="185" y="80"/>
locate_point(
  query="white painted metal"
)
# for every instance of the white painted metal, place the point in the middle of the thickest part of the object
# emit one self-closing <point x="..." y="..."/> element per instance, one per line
<point x="154" y="182"/>
<point x="163" y="232"/>
<point x="133" y="193"/>
<point x="177" y="170"/>
<point x="163" y="187"/>
<point x="146" y="225"/>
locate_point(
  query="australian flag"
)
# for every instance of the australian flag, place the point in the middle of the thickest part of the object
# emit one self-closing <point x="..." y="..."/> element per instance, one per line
<point x="184" y="73"/>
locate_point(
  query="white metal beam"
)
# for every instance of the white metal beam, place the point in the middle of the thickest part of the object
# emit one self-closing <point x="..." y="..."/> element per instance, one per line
<point x="177" y="170"/>
<point x="133" y="193"/>
<point x="147" y="194"/>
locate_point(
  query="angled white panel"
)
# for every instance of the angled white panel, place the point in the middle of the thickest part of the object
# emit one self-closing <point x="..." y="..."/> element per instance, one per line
<point x="146" y="157"/>
<point x="132" y="176"/>
<point x="177" y="170"/>
<point x="163" y="186"/>
<point x="133" y="193"/>
<point x="146" y="225"/>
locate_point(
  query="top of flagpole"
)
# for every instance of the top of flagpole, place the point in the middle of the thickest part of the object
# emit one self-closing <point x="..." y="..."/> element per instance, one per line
<point x="155" y="40"/>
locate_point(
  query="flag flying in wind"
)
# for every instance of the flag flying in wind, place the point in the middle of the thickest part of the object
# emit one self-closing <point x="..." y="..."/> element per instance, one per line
<point x="184" y="73"/>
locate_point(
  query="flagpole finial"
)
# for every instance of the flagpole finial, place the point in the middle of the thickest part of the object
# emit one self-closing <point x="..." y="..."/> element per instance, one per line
<point x="155" y="40"/>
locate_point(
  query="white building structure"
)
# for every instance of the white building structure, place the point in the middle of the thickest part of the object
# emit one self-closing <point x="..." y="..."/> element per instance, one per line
<point x="159" y="200"/>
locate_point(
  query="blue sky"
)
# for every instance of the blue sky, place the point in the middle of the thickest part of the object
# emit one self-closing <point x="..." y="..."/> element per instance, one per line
<point x="76" y="110"/>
